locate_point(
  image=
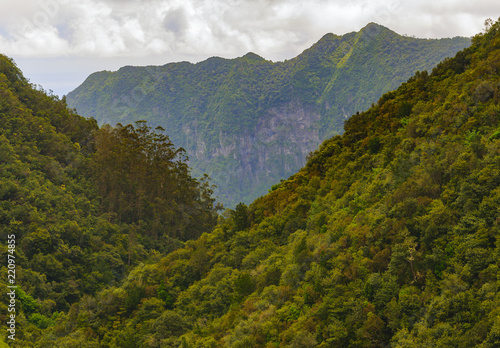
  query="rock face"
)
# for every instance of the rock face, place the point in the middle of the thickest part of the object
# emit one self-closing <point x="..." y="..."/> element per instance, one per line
<point x="249" y="122"/>
<point x="279" y="144"/>
<point x="282" y="139"/>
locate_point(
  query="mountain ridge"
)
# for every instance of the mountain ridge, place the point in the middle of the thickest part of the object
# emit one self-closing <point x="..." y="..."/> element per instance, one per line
<point x="223" y="102"/>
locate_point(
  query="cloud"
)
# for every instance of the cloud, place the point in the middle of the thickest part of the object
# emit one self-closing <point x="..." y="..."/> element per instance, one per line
<point x="273" y="28"/>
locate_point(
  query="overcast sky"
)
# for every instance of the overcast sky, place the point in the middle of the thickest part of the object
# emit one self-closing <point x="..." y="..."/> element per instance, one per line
<point x="58" y="43"/>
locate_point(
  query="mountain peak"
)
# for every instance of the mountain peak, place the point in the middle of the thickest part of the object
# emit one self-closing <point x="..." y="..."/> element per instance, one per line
<point x="374" y="29"/>
<point x="253" y="57"/>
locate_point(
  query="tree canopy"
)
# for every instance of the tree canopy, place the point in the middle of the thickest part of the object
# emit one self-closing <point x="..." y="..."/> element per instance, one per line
<point x="85" y="205"/>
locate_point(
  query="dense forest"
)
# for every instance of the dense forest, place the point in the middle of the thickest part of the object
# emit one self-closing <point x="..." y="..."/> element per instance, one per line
<point x="388" y="237"/>
<point x="249" y="122"/>
<point x="85" y="205"/>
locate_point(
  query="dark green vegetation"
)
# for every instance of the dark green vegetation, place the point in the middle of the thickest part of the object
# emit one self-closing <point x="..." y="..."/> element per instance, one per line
<point x="249" y="122"/>
<point x="86" y="205"/>
<point x="389" y="236"/>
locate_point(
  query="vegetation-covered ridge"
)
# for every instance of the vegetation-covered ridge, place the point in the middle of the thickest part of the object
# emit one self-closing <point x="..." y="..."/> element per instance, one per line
<point x="389" y="236"/>
<point x="83" y="205"/>
<point x="249" y="122"/>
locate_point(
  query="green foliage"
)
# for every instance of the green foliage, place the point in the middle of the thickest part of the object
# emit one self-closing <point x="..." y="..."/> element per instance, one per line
<point x="41" y="321"/>
<point x="244" y="284"/>
<point x="164" y="294"/>
<point x="142" y="178"/>
<point x="28" y="303"/>
<point x="240" y="217"/>
<point x="74" y="198"/>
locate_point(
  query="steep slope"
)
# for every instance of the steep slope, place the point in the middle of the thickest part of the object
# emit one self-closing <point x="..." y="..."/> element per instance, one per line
<point x="389" y="236"/>
<point x="71" y="226"/>
<point x="249" y="122"/>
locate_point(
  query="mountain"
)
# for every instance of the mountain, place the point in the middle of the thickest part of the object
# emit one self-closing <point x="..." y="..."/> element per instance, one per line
<point x="388" y="236"/>
<point x="249" y="122"/>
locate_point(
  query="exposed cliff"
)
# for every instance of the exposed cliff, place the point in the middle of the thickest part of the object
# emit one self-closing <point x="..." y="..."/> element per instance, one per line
<point x="278" y="145"/>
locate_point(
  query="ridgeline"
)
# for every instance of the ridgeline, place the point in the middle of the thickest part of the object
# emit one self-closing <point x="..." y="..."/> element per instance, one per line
<point x="249" y="122"/>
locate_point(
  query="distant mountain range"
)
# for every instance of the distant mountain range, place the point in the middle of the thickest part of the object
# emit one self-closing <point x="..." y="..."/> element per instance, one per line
<point x="249" y="122"/>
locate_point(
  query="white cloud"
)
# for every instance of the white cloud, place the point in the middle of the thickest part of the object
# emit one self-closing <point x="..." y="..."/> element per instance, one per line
<point x="166" y="30"/>
<point x="223" y="27"/>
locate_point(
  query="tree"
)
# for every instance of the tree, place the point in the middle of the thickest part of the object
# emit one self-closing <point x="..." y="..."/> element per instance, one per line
<point x="240" y="217"/>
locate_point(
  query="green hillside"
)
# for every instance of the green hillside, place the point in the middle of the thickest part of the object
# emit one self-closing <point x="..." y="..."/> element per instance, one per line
<point x="81" y="206"/>
<point x="249" y="122"/>
<point x="387" y="237"/>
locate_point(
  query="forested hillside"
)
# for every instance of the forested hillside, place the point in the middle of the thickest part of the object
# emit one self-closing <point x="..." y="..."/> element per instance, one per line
<point x="81" y="206"/>
<point x="249" y="122"/>
<point x="389" y="236"/>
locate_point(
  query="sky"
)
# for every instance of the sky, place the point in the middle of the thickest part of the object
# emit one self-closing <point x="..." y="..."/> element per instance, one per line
<point x="58" y="43"/>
